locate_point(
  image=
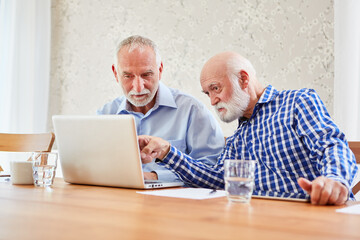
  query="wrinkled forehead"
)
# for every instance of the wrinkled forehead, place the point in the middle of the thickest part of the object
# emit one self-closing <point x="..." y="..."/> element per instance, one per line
<point x="209" y="81"/>
<point x="213" y="73"/>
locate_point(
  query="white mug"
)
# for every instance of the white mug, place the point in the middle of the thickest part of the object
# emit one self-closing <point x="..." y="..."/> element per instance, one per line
<point x="21" y="172"/>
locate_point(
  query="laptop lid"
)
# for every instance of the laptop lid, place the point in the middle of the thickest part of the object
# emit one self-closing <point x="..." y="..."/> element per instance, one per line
<point x="101" y="150"/>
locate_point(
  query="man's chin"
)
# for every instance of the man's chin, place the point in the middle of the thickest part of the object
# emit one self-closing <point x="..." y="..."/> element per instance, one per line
<point x="139" y="98"/>
<point x="224" y="118"/>
<point x="136" y="104"/>
<point x="139" y="103"/>
<point x="227" y="119"/>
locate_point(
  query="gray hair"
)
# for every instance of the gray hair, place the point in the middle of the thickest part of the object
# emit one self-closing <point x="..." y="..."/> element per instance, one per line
<point x="137" y="42"/>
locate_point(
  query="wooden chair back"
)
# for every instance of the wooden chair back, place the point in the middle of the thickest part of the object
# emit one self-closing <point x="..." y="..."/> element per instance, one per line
<point x="37" y="142"/>
<point x="355" y="148"/>
<point x="16" y="142"/>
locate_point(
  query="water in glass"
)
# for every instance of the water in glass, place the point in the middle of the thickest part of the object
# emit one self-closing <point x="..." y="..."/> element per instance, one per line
<point x="43" y="175"/>
<point x="239" y="189"/>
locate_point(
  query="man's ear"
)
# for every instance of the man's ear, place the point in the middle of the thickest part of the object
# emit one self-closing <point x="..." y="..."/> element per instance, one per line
<point x="160" y="70"/>
<point x="115" y="73"/>
<point x="243" y="79"/>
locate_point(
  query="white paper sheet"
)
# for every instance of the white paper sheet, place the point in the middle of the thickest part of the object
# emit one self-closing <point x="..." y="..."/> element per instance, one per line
<point x="190" y="193"/>
<point x="355" y="209"/>
<point x="4" y="179"/>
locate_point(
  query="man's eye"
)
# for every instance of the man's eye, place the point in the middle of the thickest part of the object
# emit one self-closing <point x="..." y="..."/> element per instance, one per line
<point x="215" y="88"/>
<point x="147" y="75"/>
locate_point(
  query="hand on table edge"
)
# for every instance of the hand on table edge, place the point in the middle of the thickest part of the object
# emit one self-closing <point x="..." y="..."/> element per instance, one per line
<point x="325" y="191"/>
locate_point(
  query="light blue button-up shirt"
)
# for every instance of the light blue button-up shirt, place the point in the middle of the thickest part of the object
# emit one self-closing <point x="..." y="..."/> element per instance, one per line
<point x="178" y="118"/>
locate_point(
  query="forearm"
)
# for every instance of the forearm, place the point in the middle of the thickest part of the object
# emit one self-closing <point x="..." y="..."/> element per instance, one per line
<point x="338" y="163"/>
<point x="192" y="172"/>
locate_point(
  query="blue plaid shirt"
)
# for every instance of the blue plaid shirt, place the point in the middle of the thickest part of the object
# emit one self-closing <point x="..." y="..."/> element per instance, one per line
<point x="290" y="135"/>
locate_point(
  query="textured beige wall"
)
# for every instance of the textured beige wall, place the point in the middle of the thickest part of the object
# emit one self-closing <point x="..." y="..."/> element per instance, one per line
<point x="290" y="43"/>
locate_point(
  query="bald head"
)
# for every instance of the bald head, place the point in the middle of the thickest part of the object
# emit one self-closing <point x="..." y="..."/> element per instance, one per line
<point x="227" y="63"/>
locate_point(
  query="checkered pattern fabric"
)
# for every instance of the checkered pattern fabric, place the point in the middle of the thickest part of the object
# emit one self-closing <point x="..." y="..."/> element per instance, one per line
<point x="290" y="135"/>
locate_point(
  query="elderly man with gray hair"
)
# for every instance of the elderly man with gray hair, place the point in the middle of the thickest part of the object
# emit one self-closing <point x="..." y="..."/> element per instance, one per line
<point x="159" y="110"/>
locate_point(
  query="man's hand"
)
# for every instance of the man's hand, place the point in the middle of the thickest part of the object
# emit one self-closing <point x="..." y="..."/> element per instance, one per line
<point x="150" y="176"/>
<point x="152" y="147"/>
<point x="325" y="191"/>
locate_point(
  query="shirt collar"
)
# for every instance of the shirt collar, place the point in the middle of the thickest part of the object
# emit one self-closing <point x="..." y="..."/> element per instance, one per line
<point x="269" y="94"/>
<point x="164" y="97"/>
<point x="124" y="107"/>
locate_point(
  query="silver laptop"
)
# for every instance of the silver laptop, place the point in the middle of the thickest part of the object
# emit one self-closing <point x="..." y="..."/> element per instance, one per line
<point x="283" y="198"/>
<point x="101" y="150"/>
<point x="298" y="197"/>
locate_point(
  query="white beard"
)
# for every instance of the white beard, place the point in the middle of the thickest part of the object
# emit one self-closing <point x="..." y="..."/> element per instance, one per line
<point x="235" y="107"/>
<point x="143" y="102"/>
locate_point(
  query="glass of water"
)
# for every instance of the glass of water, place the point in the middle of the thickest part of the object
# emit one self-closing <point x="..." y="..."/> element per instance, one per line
<point x="44" y="168"/>
<point x="239" y="177"/>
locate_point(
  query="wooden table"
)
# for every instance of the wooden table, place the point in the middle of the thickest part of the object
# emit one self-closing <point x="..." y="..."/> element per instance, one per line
<point x="88" y="212"/>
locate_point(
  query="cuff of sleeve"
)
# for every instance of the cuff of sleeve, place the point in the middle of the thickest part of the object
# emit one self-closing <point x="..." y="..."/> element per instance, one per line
<point x="343" y="181"/>
<point x="158" y="160"/>
<point x="171" y="152"/>
<point x="167" y="176"/>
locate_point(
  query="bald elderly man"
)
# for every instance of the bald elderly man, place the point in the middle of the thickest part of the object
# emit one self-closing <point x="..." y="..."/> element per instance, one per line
<point x="299" y="150"/>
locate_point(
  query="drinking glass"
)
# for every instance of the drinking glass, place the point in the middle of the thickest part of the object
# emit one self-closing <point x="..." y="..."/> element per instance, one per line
<point x="44" y="168"/>
<point x="239" y="177"/>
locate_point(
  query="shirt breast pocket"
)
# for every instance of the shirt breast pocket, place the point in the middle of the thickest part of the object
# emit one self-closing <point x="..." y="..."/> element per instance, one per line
<point x="179" y="144"/>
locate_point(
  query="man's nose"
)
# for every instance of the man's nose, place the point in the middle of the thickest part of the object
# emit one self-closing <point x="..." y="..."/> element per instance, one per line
<point x="138" y="84"/>
<point x="214" y="99"/>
